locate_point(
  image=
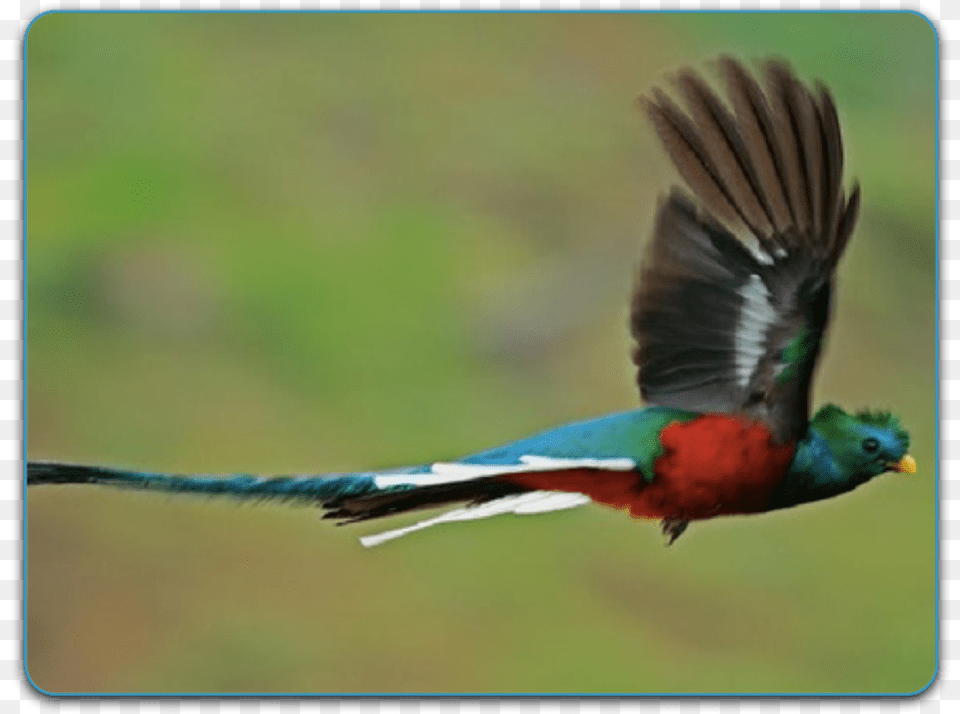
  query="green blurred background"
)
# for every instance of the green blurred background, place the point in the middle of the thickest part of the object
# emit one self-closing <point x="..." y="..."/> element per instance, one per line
<point x="302" y="243"/>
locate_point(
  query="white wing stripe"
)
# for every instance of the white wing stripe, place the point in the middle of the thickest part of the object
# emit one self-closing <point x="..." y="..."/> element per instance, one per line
<point x="756" y="316"/>
<point x="451" y="472"/>
<point x="756" y="249"/>
<point x="521" y="504"/>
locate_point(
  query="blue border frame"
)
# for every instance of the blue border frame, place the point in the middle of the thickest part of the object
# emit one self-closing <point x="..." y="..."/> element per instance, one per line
<point x="404" y="696"/>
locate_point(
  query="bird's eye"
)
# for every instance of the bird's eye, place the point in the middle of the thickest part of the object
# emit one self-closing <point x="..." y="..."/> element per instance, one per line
<point x="870" y="445"/>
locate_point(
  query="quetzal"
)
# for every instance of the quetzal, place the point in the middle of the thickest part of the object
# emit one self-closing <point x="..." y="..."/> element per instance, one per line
<point x="728" y="312"/>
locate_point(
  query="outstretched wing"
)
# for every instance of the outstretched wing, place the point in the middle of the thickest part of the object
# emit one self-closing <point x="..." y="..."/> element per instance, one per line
<point x="733" y="297"/>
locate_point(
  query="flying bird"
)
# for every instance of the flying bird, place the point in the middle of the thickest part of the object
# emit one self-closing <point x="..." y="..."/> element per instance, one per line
<point x="728" y="313"/>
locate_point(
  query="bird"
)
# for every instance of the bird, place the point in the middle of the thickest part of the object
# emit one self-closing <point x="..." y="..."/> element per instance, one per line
<point x="728" y="314"/>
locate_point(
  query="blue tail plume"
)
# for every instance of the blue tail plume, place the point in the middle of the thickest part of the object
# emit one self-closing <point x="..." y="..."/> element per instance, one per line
<point x="322" y="489"/>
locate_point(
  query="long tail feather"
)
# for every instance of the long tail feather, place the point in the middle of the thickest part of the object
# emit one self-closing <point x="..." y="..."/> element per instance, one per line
<point x="327" y="490"/>
<point x="351" y="498"/>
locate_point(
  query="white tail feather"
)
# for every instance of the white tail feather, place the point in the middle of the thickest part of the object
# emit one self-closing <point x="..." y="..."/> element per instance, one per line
<point x="450" y="472"/>
<point x="521" y="504"/>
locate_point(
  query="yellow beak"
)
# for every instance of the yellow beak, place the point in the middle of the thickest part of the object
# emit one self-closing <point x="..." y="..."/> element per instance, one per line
<point x="907" y="465"/>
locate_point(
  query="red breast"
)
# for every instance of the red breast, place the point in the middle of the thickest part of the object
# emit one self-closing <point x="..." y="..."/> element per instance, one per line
<point x="714" y="465"/>
<point x="710" y="466"/>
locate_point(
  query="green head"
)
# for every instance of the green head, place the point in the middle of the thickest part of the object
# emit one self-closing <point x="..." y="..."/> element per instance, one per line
<point x="864" y="444"/>
<point x="842" y="451"/>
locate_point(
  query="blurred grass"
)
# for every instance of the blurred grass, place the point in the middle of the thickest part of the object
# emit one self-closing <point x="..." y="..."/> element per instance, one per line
<point x="300" y="243"/>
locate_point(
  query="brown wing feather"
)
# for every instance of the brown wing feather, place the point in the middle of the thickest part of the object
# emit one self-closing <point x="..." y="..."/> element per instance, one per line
<point x="757" y="128"/>
<point x="833" y="198"/>
<point x="811" y="151"/>
<point x="722" y="143"/>
<point x="786" y="123"/>
<point x="847" y="223"/>
<point x="682" y="142"/>
<point x="719" y="325"/>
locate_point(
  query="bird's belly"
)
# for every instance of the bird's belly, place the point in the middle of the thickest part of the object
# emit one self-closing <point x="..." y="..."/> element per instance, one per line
<point x="711" y="466"/>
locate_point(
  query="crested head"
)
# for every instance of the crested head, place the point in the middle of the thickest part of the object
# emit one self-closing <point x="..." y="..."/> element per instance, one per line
<point x="866" y="442"/>
<point x="842" y="451"/>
